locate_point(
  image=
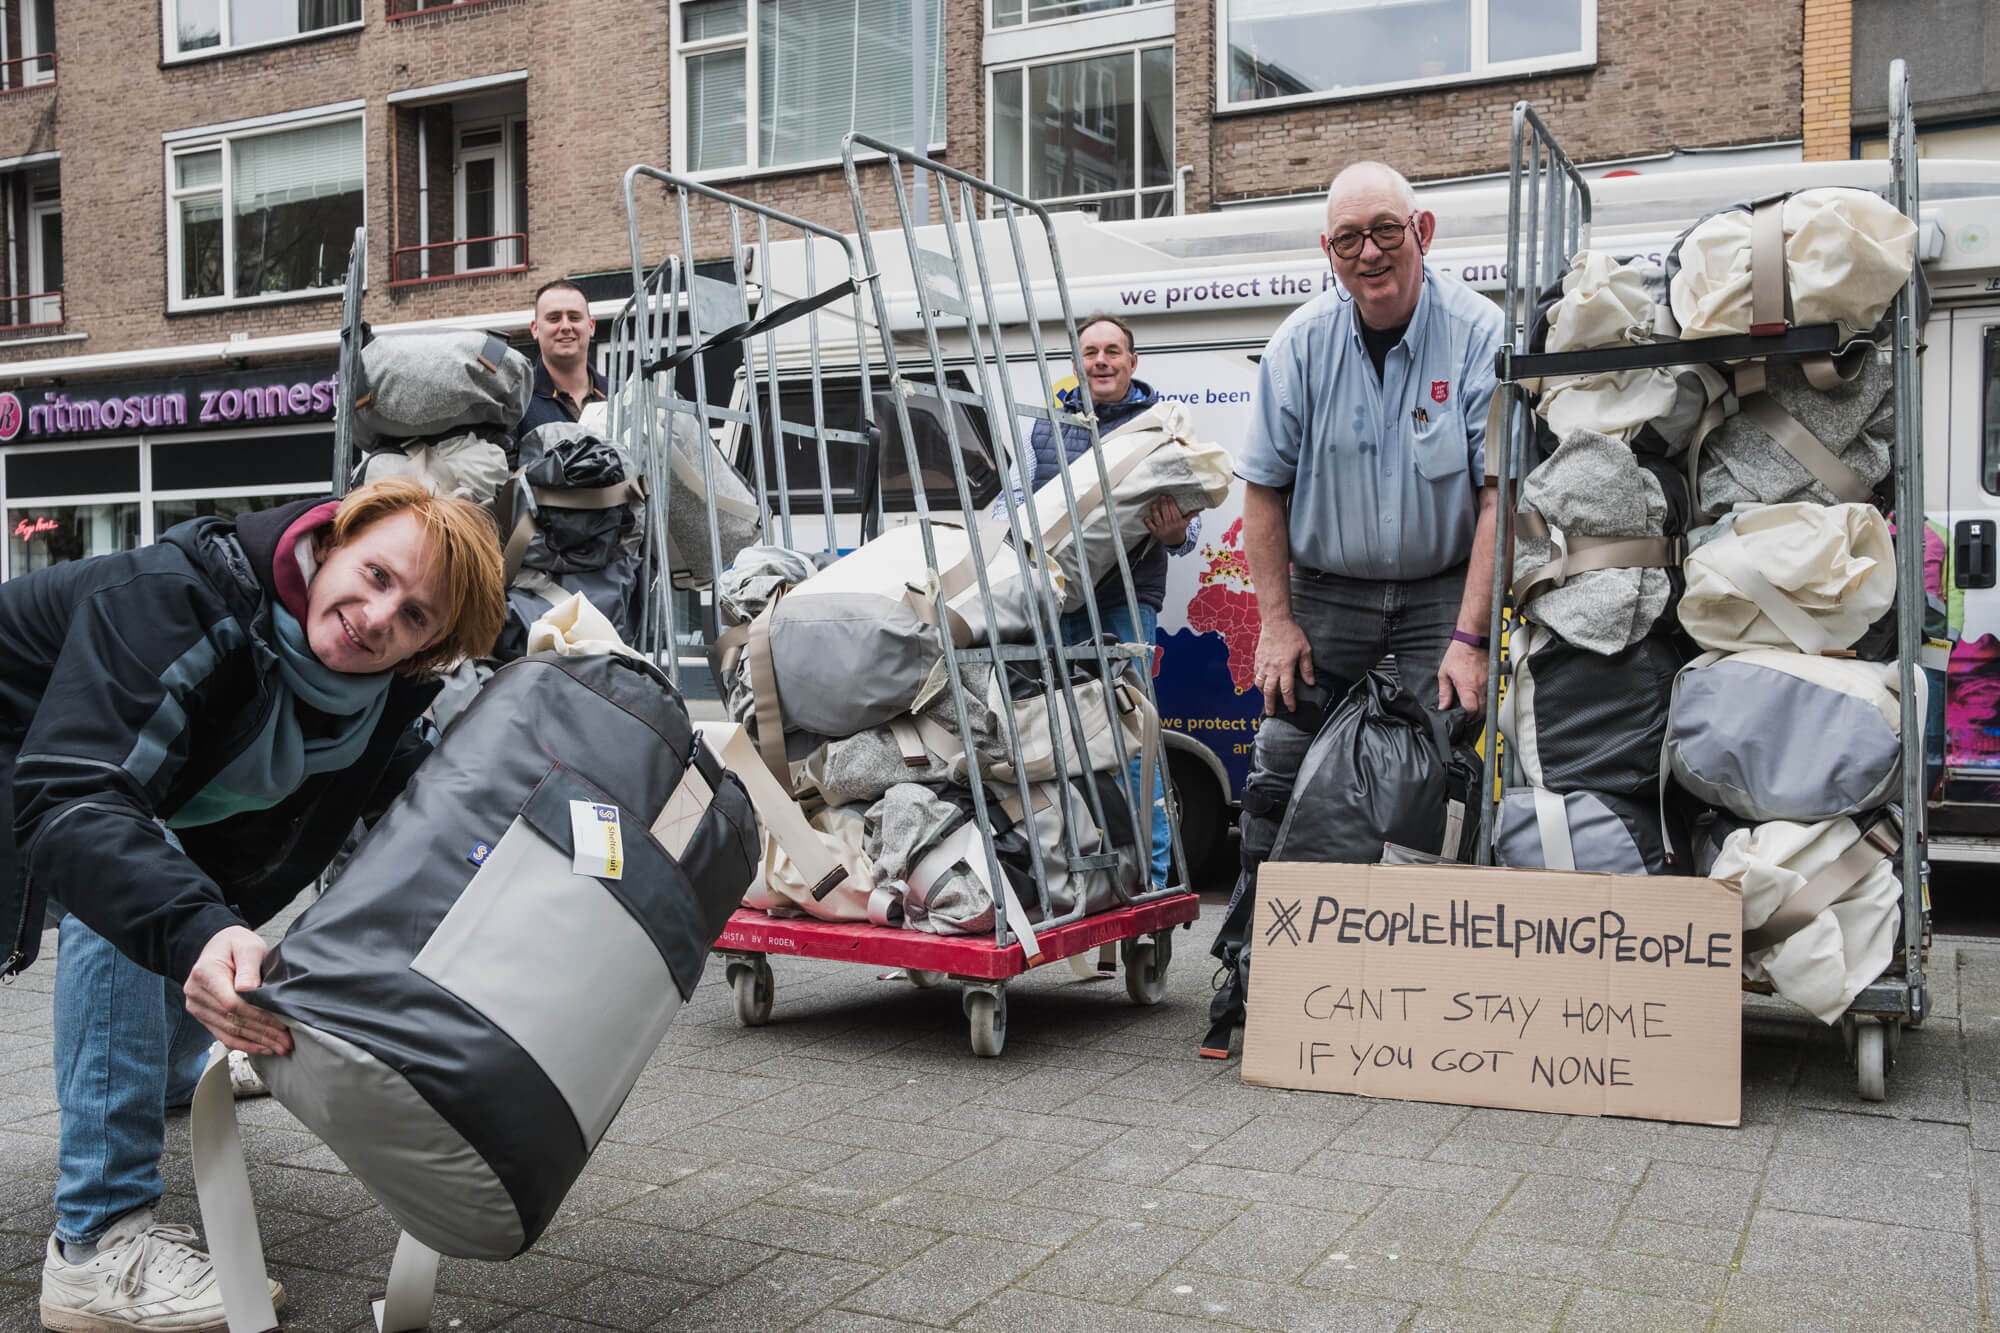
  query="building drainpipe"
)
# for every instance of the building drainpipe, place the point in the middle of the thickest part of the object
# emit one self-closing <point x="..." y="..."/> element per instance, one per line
<point x="1181" y="175"/>
<point x="423" y="191"/>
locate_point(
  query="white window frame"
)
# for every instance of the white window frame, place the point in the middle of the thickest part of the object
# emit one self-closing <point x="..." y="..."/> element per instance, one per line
<point x="1137" y="193"/>
<point x="31" y="41"/>
<point x="46" y="309"/>
<point x="746" y="41"/>
<point x="1121" y="13"/>
<point x="171" y="54"/>
<point x="186" y="143"/>
<point x="501" y="154"/>
<point x="1479" y="73"/>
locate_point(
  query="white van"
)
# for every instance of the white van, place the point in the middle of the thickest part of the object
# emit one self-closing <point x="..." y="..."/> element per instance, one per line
<point x="1204" y="292"/>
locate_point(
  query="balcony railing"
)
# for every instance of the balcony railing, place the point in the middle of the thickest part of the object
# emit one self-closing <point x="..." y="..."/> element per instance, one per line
<point x="25" y="72"/>
<point x="409" y="9"/>
<point x="29" y="311"/>
<point x="442" y="261"/>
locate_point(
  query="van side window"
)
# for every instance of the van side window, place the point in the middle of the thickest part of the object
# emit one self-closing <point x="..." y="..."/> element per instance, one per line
<point x="1989" y="410"/>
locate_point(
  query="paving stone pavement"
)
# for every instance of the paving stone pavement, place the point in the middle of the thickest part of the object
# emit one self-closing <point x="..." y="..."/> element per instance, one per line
<point x="853" y="1168"/>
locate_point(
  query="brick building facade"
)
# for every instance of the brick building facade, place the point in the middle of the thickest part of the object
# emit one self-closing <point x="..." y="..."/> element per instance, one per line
<point x="175" y="178"/>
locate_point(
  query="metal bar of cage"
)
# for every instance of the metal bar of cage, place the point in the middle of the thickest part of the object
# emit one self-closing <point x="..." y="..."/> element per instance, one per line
<point x="353" y="332"/>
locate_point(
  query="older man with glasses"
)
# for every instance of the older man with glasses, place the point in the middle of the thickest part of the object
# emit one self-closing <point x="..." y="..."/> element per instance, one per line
<point x="1367" y="519"/>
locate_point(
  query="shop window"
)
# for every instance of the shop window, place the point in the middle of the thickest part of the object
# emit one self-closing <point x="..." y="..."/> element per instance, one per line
<point x="208" y="27"/>
<point x="29" y="58"/>
<point x="264" y="213"/>
<point x="1093" y="132"/>
<point x="167" y="513"/>
<point x="1294" y="50"/>
<point x="463" y="177"/>
<point x="821" y="67"/>
<point x="42" y="535"/>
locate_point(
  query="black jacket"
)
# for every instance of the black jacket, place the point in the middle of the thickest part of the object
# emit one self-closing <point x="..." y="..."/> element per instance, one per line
<point x="130" y="681"/>
<point x="545" y="406"/>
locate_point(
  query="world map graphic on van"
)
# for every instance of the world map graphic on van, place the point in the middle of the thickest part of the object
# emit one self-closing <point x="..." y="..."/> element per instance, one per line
<point x="1225" y="605"/>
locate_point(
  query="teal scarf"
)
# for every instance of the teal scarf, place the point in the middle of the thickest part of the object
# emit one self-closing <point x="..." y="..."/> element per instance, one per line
<point x="320" y="723"/>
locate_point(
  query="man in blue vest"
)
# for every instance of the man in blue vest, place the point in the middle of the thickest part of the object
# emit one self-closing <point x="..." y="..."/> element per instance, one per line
<point x="1109" y="361"/>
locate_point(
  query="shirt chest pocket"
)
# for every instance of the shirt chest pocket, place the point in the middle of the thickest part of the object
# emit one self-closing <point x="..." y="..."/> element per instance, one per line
<point x="1438" y="441"/>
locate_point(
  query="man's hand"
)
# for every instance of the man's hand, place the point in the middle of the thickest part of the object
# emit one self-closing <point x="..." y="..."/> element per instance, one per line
<point x="1462" y="678"/>
<point x="1167" y="523"/>
<point x="233" y="961"/>
<point x="1282" y="652"/>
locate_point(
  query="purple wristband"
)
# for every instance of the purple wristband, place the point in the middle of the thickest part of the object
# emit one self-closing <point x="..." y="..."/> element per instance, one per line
<point x="1467" y="637"/>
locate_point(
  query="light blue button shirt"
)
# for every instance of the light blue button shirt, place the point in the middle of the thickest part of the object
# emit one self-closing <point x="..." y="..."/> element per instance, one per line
<point x="1385" y="474"/>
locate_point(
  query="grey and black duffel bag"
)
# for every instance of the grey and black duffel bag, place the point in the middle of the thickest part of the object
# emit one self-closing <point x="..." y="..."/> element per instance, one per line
<point x="473" y="1000"/>
<point x="427" y="384"/>
<point x="1584" y="830"/>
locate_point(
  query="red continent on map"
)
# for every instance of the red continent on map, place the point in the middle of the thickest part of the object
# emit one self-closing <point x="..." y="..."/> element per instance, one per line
<point x="1225" y="605"/>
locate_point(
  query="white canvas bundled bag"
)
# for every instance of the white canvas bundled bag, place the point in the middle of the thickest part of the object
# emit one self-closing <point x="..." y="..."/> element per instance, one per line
<point x="1820" y="907"/>
<point x="784" y="887"/>
<point x="1153" y="454"/>
<point x="1805" y="576"/>
<point x="1828" y="256"/>
<point x="691" y="509"/>
<point x="1604" y="304"/>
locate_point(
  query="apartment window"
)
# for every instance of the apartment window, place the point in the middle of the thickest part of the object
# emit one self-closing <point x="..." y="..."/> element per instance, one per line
<point x="1283" y="50"/>
<point x="1097" y="131"/>
<point x="45" y="254"/>
<point x="1012" y="13"/>
<point x="263" y="213"/>
<point x="28" y="59"/>
<point x="205" y="27"/>
<point x="784" y="89"/>
<point x="461" y="165"/>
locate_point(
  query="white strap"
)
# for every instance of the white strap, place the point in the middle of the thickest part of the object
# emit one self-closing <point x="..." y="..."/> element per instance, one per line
<point x="780" y="814"/>
<point x="228" y="1213"/>
<point x="406" y="1306"/>
<point x="1729" y="557"/>
<point x="1552" y="819"/>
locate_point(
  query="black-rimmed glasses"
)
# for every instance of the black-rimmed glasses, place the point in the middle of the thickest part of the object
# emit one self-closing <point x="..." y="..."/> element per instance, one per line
<point x="1386" y="235"/>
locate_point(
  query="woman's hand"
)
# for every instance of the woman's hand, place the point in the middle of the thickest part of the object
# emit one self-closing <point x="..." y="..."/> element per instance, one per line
<point x="233" y="961"/>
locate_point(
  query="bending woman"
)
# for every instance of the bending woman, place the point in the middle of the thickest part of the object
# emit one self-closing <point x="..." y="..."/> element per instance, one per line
<point x="187" y="734"/>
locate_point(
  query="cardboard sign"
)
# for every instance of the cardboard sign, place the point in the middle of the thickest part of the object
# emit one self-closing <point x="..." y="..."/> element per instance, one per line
<point x="1538" y="990"/>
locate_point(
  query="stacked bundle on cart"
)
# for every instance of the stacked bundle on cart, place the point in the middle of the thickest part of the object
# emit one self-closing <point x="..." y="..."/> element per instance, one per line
<point x="1781" y="722"/>
<point x="841" y="675"/>
<point x="437" y="407"/>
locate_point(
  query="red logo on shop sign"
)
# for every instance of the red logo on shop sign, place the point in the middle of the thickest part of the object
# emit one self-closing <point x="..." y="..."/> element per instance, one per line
<point x="34" y="527"/>
<point x="1440" y="390"/>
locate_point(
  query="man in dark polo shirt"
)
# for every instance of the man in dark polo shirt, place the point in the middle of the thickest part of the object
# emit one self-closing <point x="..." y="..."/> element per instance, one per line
<point x="564" y="379"/>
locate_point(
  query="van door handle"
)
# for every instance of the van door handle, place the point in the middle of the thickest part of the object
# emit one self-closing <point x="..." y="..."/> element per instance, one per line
<point x="1973" y="553"/>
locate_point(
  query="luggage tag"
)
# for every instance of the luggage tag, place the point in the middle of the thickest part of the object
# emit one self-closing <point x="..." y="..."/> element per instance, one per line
<point x="599" y="842"/>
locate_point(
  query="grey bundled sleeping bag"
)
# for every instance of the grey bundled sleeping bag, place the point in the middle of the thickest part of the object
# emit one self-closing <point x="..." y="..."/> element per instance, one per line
<point x="1583" y="830"/>
<point x="577" y="517"/>
<point x="690" y="560"/>
<point x="428" y="384"/>
<point x="1743" y="462"/>
<point x="472" y="1003"/>
<point x="1769" y="734"/>
<point x="1578" y="569"/>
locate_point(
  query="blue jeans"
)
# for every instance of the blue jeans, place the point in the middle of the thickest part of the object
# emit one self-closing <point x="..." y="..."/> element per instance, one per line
<point x="1117" y="619"/>
<point x="125" y="1050"/>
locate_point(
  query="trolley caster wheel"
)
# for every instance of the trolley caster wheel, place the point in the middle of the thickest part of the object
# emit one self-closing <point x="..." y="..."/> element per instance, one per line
<point x="1892" y="1036"/>
<point x="1870" y="1061"/>
<point x="752" y="985"/>
<point x="1145" y="972"/>
<point x="921" y="979"/>
<point x="987" y="1011"/>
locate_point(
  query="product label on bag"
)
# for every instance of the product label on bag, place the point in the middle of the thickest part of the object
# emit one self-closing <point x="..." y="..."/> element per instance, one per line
<point x="600" y="846"/>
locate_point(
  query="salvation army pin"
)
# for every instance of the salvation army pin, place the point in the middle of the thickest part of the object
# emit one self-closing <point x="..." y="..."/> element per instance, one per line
<point x="1440" y="390"/>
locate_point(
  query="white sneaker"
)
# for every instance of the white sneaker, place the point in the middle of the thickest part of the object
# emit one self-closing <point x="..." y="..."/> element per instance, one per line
<point x="146" y="1276"/>
<point x="243" y="1080"/>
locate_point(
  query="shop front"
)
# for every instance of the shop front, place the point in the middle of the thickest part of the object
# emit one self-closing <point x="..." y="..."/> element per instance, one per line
<point x="91" y="468"/>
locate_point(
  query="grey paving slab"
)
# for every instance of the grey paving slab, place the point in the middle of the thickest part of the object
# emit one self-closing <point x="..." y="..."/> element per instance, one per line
<point x="1918" y="1193"/>
<point x="621" y="1300"/>
<point x="1468" y="1149"/>
<point x="709" y="1193"/>
<point x="1871" y="1136"/>
<point x="1443" y="1285"/>
<point x="685" y="1256"/>
<point x="1140" y="1156"/>
<point x="1650" y="1275"/>
<point x="1677" y="1240"/>
<point x="1419" y="1224"/>
<point x="1702" y="1195"/>
<point x="1598" y="1311"/>
<point x="1170" y="1207"/>
<point x="1114" y="1261"/>
<point x="883" y="1243"/>
<point x="788" y="1290"/>
<point x="848" y="1321"/>
<point x="1009" y="1166"/>
<point x="1294" y="1309"/>
<point x="1275" y="1142"/>
<point x="1327" y="1193"/>
<point x="1018" y="1311"/>
<point x="1933" y="1265"/>
<point x="1373" y="1169"/>
<point x="1558" y="1208"/>
<point x="1270" y="1241"/>
<point x="948" y="1279"/>
<point x="995" y="1218"/>
<point x="859" y="1182"/>
<point x="1757" y="1303"/>
<point x="1438" y="1319"/>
